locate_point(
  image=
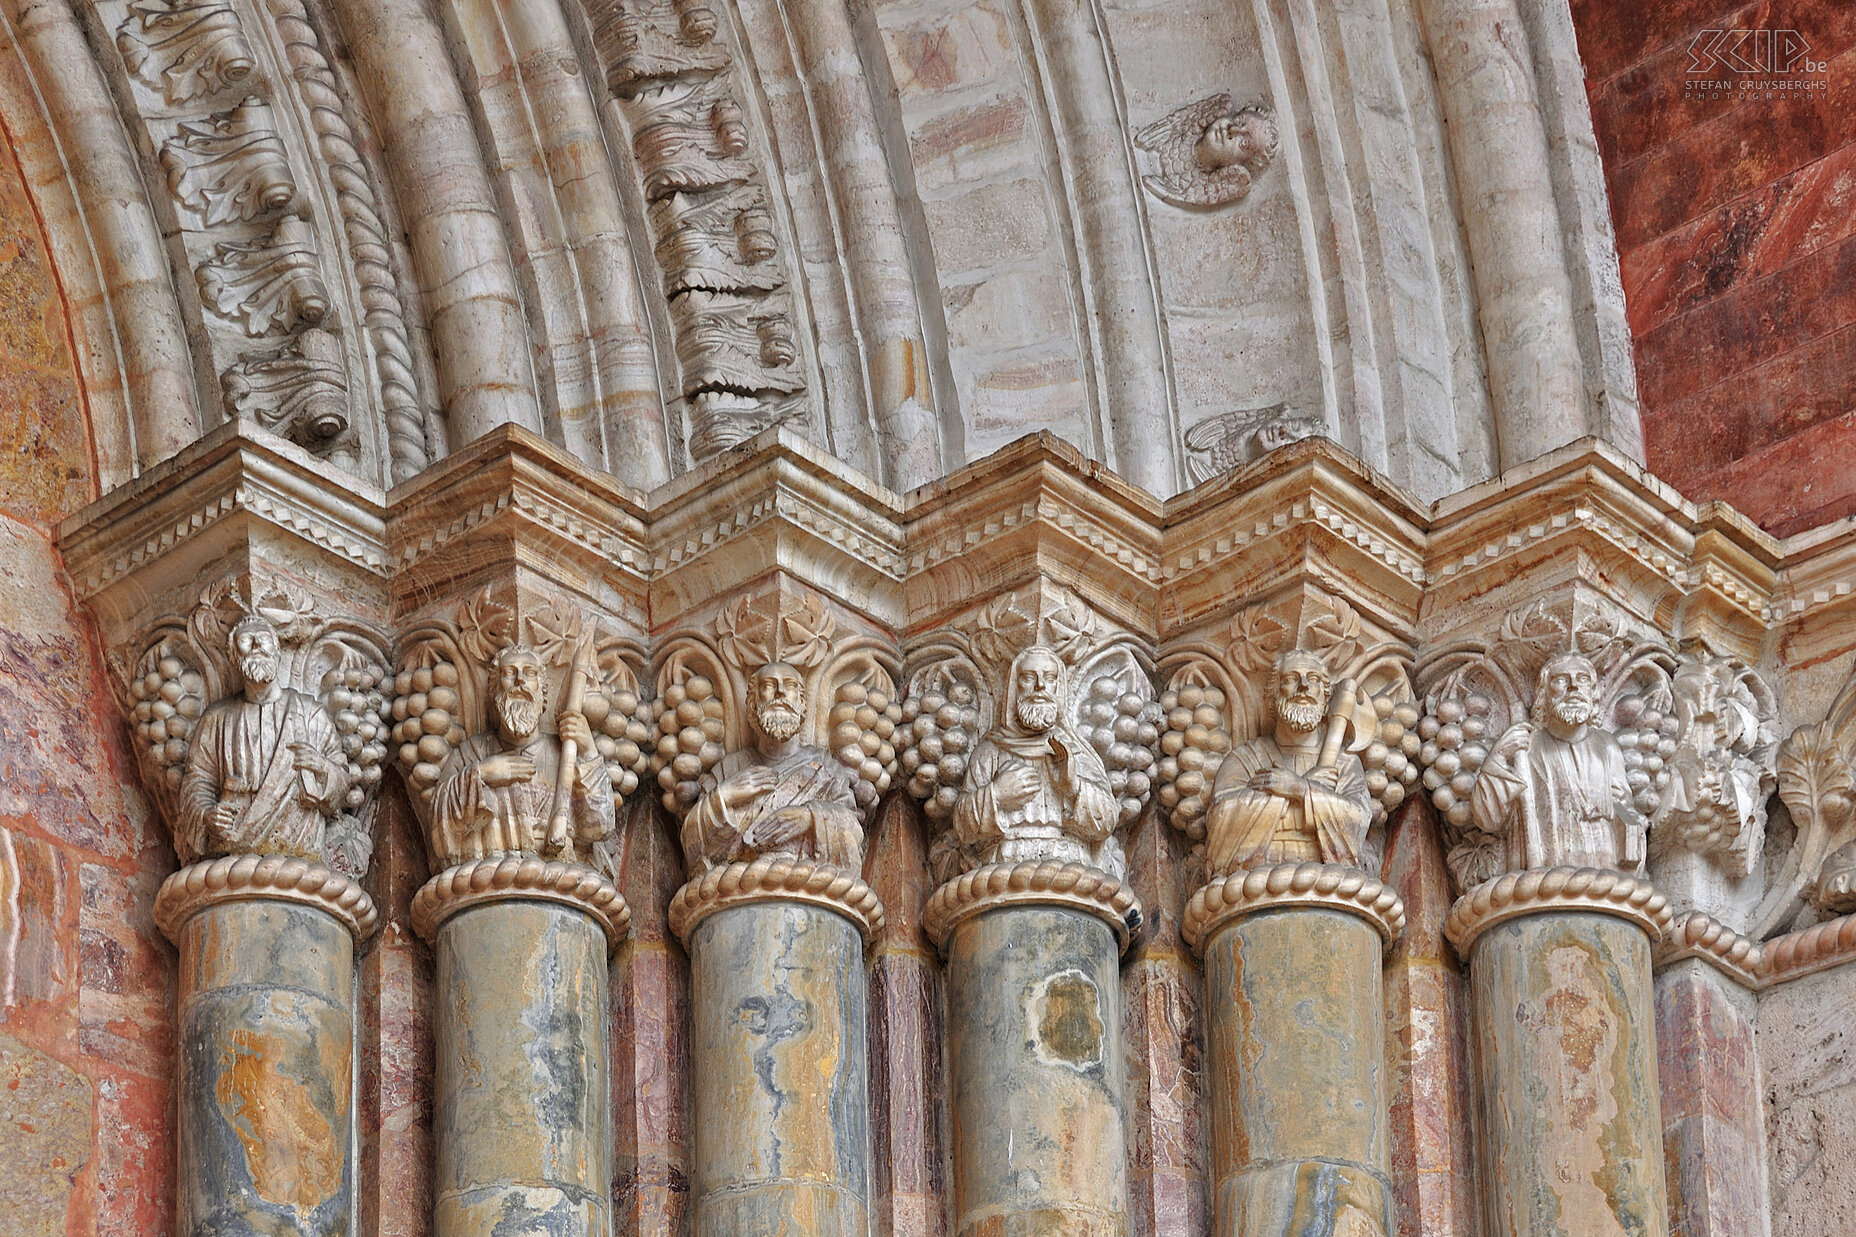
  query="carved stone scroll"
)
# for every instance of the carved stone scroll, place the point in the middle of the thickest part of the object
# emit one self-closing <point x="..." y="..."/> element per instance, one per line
<point x="185" y="48"/>
<point x="270" y="284"/>
<point x="230" y="166"/>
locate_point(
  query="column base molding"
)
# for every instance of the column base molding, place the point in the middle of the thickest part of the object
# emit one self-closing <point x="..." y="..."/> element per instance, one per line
<point x="1538" y="890"/>
<point x="249" y="878"/>
<point x="520" y="878"/>
<point x="1071" y="885"/>
<point x="776" y="878"/>
<point x="1281" y="886"/>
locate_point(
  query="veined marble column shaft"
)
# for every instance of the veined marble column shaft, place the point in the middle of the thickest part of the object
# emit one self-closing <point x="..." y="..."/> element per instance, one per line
<point x="522" y="1136"/>
<point x="779" y="1056"/>
<point x="1564" y="1029"/>
<point x="265" y="1017"/>
<point x="1296" y="1045"/>
<point x="1034" y="1063"/>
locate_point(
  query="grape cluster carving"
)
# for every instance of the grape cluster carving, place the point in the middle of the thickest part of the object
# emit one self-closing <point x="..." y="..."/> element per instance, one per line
<point x="170" y="697"/>
<point x="351" y="692"/>
<point x="689" y="742"/>
<point x="1453" y="740"/>
<point x="1193" y="740"/>
<point x="863" y="721"/>
<point x="625" y="731"/>
<point x="1123" y="728"/>
<point x="937" y="732"/>
<point x="426" y="721"/>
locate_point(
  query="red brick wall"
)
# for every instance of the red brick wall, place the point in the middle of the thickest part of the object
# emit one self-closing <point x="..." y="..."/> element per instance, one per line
<point x="1736" y="223"/>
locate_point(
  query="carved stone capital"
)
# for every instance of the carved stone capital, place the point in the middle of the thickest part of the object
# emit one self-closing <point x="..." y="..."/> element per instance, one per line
<point x="1288" y="886"/>
<point x="248" y="878"/>
<point x="776" y="878"/>
<point x="1545" y="890"/>
<point x="999" y="885"/>
<point x="518" y="878"/>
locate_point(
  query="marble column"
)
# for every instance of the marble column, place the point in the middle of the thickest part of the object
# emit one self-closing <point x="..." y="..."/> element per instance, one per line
<point x="1562" y="1019"/>
<point x="1034" y="1059"/>
<point x="1296" y="1045"/>
<point x="265" y="1020"/>
<point x="779" y="1057"/>
<point x="522" y="1135"/>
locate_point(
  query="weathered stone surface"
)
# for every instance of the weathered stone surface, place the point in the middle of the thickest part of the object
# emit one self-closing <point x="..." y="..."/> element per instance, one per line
<point x="778" y="1014"/>
<point x="522" y="1136"/>
<point x="1035" y="1075"/>
<point x="1297" y="1064"/>
<point x="267" y="1032"/>
<point x="44" y="1138"/>
<point x="1561" y="1018"/>
<point x="1807" y="1050"/>
<point x="1713" y="1124"/>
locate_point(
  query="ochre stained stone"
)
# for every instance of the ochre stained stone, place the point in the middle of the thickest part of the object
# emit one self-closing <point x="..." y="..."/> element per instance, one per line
<point x="1564" y="1032"/>
<point x="1035" y="1074"/>
<point x="1297" y="1048"/>
<point x="44" y="1138"/>
<point x="522" y="1132"/>
<point x="266" y="1024"/>
<point x="781" y="1072"/>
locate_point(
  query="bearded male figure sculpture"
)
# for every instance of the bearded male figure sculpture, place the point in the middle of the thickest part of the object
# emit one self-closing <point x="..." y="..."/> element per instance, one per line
<point x="1554" y="788"/>
<point x="1275" y="800"/>
<point x="1035" y="789"/>
<point x="265" y="770"/>
<point x="780" y="797"/>
<point x="496" y="793"/>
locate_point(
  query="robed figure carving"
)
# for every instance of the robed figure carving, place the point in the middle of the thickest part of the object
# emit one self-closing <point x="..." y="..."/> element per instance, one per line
<point x="1293" y="795"/>
<point x="265" y="770"/>
<point x="1554" y="789"/>
<point x="497" y="793"/>
<point x="779" y="797"/>
<point x="1035" y="789"/>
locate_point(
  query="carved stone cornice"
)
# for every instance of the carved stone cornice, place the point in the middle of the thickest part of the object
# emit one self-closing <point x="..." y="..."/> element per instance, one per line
<point x="511" y="503"/>
<point x="237" y="498"/>
<point x="1036" y="510"/>
<point x="249" y="878"/>
<point x="1817" y="592"/>
<point x="1307" y="513"/>
<point x="1291" y="886"/>
<point x="1546" y="890"/>
<point x="520" y="878"/>
<point x="776" y="878"/>
<point x="997" y="885"/>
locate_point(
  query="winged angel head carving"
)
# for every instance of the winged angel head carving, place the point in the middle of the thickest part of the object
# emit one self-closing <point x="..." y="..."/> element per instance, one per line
<point x="1209" y="151"/>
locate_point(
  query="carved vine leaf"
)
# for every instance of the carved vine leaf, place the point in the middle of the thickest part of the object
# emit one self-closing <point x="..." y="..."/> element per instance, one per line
<point x="554" y="630"/>
<point x="270" y="284"/>
<point x="1815" y="783"/>
<point x="1002" y="629"/>
<point x="1336" y="634"/>
<point x="1256" y="637"/>
<point x="231" y="166"/>
<point x="485" y="627"/>
<point x="1070" y="628"/>
<point x="185" y="48"/>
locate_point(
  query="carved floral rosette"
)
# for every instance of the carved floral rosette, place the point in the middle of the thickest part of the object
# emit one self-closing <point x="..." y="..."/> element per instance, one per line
<point x="1566" y="889"/>
<point x="996" y="885"/>
<point x="520" y="878"/>
<point x="957" y="691"/>
<point x="1282" y="886"/>
<point x="776" y="878"/>
<point x="1217" y="695"/>
<point x="247" y="878"/>
<point x="180" y="666"/>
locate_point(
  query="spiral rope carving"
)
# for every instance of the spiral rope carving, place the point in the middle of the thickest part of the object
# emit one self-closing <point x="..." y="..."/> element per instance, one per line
<point x="1561" y="889"/>
<point x="776" y="878"/>
<point x="1326" y="885"/>
<point x="520" y="878"/>
<point x="245" y="878"/>
<point x="407" y="449"/>
<point x="1808" y="949"/>
<point x="1047" y="884"/>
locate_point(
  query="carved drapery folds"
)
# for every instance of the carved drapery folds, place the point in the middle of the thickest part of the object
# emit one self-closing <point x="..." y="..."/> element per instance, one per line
<point x="260" y="720"/>
<point x="1028" y="734"/>
<point x="731" y="310"/>
<point x="1323" y="704"/>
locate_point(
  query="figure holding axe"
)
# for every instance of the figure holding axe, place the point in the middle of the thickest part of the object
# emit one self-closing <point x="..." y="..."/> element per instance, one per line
<point x="1298" y="793"/>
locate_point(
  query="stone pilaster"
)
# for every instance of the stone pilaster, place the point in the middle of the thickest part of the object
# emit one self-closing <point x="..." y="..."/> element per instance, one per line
<point x="1563" y="1022"/>
<point x="1297" y="1047"/>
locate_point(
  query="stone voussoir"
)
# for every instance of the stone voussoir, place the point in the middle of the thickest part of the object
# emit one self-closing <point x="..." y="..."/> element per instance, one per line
<point x="776" y="878"/>
<point x="247" y="878"/>
<point x="1289" y="885"/>
<point x="1071" y="885"/>
<point x="1556" y="889"/>
<point x="520" y="878"/>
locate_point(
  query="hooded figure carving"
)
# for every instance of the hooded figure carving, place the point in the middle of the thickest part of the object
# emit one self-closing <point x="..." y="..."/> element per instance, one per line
<point x="1035" y="789"/>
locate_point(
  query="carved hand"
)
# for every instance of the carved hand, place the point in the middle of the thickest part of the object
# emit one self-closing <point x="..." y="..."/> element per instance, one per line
<point x="220" y="825"/>
<point x="1280" y="782"/>
<point x="740" y="791"/>
<point x="780" y="828"/>
<point x="573" y="727"/>
<point x="1016" y="786"/>
<point x="506" y="767"/>
<point x="312" y="774"/>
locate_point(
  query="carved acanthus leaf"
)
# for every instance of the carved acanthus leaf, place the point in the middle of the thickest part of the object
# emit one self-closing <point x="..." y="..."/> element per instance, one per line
<point x="645" y="41"/>
<point x="185" y="48"/>
<point x="230" y="166"/>
<point x="689" y="135"/>
<point x="299" y="391"/>
<point x="270" y="284"/>
<point x="716" y="242"/>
